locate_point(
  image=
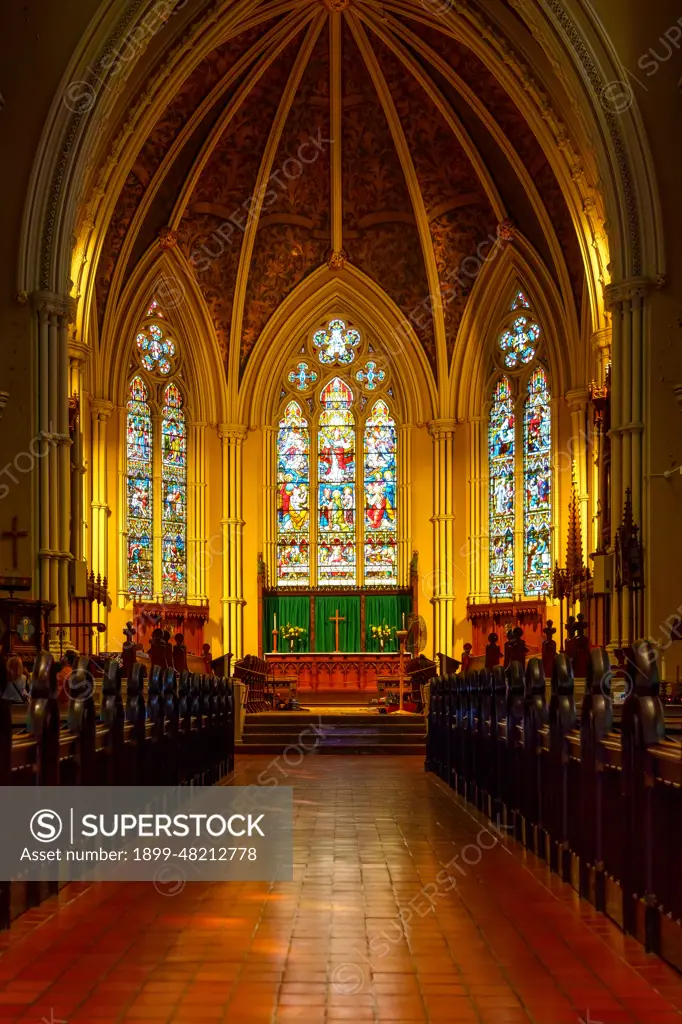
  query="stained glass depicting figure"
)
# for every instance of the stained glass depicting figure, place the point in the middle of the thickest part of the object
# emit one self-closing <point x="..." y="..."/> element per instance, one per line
<point x="174" y="497"/>
<point x="537" y="474"/>
<point x="501" y="449"/>
<point x="293" y="499"/>
<point x="380" y="518"/>
<point x="336" y="486"/>
<point x="139" y="492"/>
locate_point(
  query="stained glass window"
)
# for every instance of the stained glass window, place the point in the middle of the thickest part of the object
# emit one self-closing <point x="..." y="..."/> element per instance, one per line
<point x="156" y="349"/>
<point x="518" y="343"/>
<point x="336" y="344"/>
<point x="520" y="302"/>
<point x="380" y="519"/>
<point x="174" y="497"/>
<point x="336" y="550"/>
<point x="501" y="452"/>
<point x="537" y="477"/>
<point x="139" y="492"/>
<point x="293" y="499"/>
<point x="370" y="375"/>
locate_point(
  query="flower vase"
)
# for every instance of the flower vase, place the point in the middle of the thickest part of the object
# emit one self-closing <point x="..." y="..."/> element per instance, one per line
<point x="292" y="641"/>
<point x="381" y="644"/>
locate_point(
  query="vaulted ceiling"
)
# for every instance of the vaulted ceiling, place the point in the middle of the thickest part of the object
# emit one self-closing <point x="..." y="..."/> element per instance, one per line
<point x="365" y="128"/>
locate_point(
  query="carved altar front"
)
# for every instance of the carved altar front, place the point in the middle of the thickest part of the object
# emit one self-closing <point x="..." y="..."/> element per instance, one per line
<point x="362" y="674"/>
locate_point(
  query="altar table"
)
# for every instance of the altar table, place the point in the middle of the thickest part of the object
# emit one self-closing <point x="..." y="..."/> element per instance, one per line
<point x="361" y="673"/>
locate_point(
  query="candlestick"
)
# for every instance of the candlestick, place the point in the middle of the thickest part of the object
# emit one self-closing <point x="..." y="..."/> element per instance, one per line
<point x="275" y="620"/>
<point x="403" y="620"/>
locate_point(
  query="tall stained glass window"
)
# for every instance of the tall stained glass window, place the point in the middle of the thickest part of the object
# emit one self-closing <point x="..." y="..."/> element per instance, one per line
<point x="336" y="546"/>
<point x="139" y="492"/>
<point x="380" y="519"/>
<point x="174" y="497"/>
<point x="293" y="499"/>
<point x="502" y="449"/>
<point x="537" y="478"/>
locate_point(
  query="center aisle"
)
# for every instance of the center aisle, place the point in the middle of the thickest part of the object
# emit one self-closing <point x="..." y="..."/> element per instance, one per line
<point x="508" y="943"/>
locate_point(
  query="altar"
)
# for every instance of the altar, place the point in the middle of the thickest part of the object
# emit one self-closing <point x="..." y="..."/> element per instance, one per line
<point x="344" y="675"/>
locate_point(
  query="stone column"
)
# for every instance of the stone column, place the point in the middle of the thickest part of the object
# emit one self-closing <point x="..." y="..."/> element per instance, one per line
<point x="270" y="502"/>
<point x="100" y="411"/>
<point x="443" y="600"/>
<point x="478" y="528"/>
<point x="54" y="492"/>
<point x="626" y="302"/>
<point x="196" y="514"/>
<point x="404" y="499"/>
<point x="78" y="354"/>
<point x="577" y="403"/>
<point x="232" y="437"/>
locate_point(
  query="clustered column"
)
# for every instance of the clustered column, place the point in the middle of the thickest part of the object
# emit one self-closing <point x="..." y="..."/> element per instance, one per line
<point x="478" y="537"/>
<point x="232" y="437"/>
<point x="443" y="433"/>
<point x="270" y="502"/>
<point x="196" y="515"/>
<point x="626" y="302"/>
<point x="404" y="503"/>
<point x="100" y="411"/>
<point x="54" y="478"/>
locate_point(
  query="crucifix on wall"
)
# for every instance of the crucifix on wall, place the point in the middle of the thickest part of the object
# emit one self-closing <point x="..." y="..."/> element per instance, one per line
<point x="336" y="619"/>
<point x="14" y="535"/>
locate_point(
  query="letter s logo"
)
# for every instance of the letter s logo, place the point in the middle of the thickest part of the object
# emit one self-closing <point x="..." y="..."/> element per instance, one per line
<point x="46" y="826"/>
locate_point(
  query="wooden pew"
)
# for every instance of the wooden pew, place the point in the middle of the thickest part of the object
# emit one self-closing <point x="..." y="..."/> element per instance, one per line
<point x="181" y="732"/>
<point x="260" y="682"/>
<point x="600" y="801"/>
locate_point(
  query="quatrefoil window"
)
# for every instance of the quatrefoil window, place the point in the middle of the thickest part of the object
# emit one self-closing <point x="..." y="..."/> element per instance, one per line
<point x="302" y="376"/>
<point x="518" y="343"/>
<point x="336" y="344"/>
<point x="156" y="350"/>
<point x="370" y="375"/>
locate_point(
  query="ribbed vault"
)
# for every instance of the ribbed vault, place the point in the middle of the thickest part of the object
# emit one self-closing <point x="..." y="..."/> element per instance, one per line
<point x="368" y="131"/>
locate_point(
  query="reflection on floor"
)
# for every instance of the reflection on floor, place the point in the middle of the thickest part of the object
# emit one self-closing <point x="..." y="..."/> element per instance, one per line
<point x="372" y="927"/>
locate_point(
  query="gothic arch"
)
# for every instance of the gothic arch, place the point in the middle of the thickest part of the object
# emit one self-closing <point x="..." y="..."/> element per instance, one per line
<point x="326" y="293"/>
<point x="490" y="302"/>
<point x="166" y="277"/>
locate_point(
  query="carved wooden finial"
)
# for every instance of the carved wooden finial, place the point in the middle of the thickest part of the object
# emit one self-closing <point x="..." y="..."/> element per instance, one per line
<point x="574" y="546"/>
<point x="168" y="238"/>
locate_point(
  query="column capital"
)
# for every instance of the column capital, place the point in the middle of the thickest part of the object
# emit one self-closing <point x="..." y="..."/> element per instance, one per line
<point x="602" y="339"/>
<point x="631" y="288"/>
<point x="48" y="304"/>
<point x="234" y="432"/>
<point x="577" y="399"/>
<point x="101" y="408"/>
<point x="442" y="429"/>
<point x="79" y="352"/>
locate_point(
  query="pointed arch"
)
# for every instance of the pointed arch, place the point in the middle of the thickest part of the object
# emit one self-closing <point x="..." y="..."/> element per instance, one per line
<point x="139" y="492"/>
<point x="502" y="490"/>
<point x="380" y="527"/>
<point x="293" y="498"/>
<point x="537" y="486"/>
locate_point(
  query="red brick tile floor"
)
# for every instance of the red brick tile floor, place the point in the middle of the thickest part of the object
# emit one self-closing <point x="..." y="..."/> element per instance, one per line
<point x="503" y="943"/>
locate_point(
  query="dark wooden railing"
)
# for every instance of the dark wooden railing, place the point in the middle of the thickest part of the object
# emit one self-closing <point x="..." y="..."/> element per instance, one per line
<point x="256" y="673"/>
<point x="597" y="795"/>
<point x="177" y="728"/>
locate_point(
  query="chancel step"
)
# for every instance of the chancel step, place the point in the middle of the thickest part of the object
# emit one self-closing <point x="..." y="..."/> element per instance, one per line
<point x="332" y="732"/>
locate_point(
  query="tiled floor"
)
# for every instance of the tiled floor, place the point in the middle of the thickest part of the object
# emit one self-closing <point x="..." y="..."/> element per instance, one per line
<point x="505" y="944"/>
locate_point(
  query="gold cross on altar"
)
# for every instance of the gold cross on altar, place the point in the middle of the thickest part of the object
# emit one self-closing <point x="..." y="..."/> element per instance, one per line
<point x="336" y="619"/>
